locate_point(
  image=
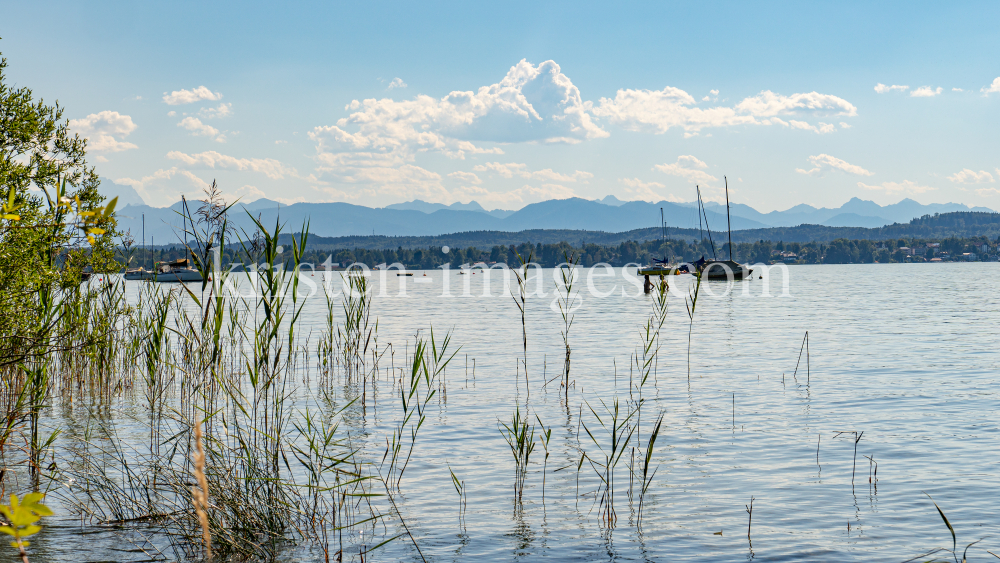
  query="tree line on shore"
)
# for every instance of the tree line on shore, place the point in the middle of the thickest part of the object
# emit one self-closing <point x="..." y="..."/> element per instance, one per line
<point x="840" y="251"/>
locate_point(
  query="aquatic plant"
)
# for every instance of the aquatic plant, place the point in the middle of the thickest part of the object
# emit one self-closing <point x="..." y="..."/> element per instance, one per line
<point x="521" y="276"/>
<point x="567" y="302"/>
<point x="520" y="437"/>
<point x="618" y="433"/>
<point x="692" y="303"/>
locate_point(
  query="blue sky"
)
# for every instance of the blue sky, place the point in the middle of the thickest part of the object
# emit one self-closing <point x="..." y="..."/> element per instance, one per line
<point x="512" y="103"/>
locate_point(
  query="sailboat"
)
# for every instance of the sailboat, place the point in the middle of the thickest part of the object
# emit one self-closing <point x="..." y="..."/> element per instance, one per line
<point x="176" y="271"/>
<point x="661" y="267"/>
<point x="724" y="270"/>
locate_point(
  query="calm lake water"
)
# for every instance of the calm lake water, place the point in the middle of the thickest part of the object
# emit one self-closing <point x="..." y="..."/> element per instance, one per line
<point x="905" y="353"/>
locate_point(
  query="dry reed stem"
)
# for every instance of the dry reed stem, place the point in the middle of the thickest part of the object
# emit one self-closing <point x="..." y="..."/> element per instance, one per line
<point x="199" y="494"/>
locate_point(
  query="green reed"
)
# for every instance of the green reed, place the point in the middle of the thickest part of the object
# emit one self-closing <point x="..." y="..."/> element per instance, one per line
<point x="520" y="437"/>
<point x="520" y="300"/>
<point x="692" y="303"/>
<point x="618" y="433"/>
<point x="567" y="302"/>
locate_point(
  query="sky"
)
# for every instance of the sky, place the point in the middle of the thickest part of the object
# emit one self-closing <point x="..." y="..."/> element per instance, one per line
<point x="511" y="103"/>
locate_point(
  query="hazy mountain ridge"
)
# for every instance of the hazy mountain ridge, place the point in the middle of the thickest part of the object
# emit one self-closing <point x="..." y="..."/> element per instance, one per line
<point x="422" y="219"/>
<point x="957" y="224"/>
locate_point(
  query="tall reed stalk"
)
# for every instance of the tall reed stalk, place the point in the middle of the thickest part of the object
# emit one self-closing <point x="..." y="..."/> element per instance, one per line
<point x="520" y="300"/>
<point x="567" y="302"/>
<point x="692" y="303"/>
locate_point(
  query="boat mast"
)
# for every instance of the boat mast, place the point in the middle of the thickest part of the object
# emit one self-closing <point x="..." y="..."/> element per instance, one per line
<point x="701" y="235"/>
<point x="184" y="212"/>
<point x="701" y="207"/>
<point x="144" y="240"/>
<point x="663" y="235"/>
<point x="728" y="222"/>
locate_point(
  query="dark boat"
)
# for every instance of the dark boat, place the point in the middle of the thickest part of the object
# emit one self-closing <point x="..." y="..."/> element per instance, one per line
<point x="715" y="269"/>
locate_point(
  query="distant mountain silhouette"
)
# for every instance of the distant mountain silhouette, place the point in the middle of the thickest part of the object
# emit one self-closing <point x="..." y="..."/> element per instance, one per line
<point x="611" y="215"/>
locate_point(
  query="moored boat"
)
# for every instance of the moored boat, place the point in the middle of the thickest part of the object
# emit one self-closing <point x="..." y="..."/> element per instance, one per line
<point x="176" y="271"/>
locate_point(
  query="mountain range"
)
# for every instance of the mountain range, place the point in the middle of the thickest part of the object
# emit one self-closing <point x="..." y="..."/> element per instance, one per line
<point x="419" y="218"/>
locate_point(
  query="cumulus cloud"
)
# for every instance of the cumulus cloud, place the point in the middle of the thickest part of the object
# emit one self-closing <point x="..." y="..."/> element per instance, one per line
<point x="967" y="176"/>
<point x="823" y="163"/>
<point x="531" y="103"/>
<point x="511" y="169"/>
<point x="657" y="111"/>
<point x="100" y="129"/>
<point x="906" y="186"/>
<point x="925" y="92"/>
<point x="992" y="88"/>
<point x="179" y="97"/>
<point x="985" y="192"/>
<point x="882" y="88"/>
<point x="211" y="159"/>
<point x="199" y="129"/>
<point x="466" y="177"/>
<point x="688" y="167"/>
<point x="957" y="90"/>
<point x="845" y="125"/>
<point x="396" y="83"/>
<point x="224" y="110"/>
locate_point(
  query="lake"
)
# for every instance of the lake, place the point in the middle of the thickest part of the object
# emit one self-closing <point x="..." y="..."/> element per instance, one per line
<point x="904" y="353"/>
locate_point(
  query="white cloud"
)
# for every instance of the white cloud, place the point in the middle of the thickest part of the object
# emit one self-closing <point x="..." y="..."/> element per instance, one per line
<point x="531" y="103"/>
<point x="906" y="186"/>
<point x="506" y="170"/>
<point x="768" y="104"/>
<point x="167" y="191"/>
<point x="986" y="192"/>
<point x="396" y="83"/>
<point x="197" y="128"/>
<point x="646" y="191"/>
<point x="882" y="88"/>
<point x="820" y="129"/>
<point x="845" y="125"/>
<point x="689" y="168"/>
<point x="224" y="110"/>
<point x="548" y="174"/>
<point x="925" y="92"/>
<point x="657" y="111"/>
<point x="245" y="194"/>
<point x="824" y="163"/>
<point x="178" y="97"/>
<point x="513" y="198"/>
<point x="714" y="92"/>
<point x="100" y="129"/>
<point x="957" y="90"/>
<point x="467" y="177"/>
<point x="211" y="159"/>
<point x="992" y="88"/>
<point x="967" y="176"/>
<point x="511" y="169"/>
